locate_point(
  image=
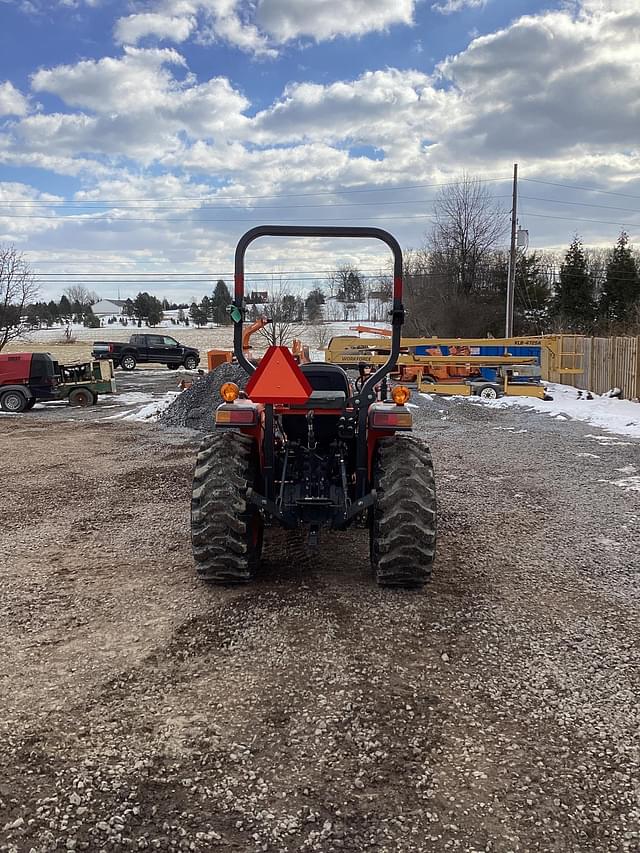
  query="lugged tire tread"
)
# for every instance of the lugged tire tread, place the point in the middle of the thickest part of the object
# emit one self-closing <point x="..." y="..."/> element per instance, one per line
<point x="404" y="519"/>
<point x="220" y="515"/>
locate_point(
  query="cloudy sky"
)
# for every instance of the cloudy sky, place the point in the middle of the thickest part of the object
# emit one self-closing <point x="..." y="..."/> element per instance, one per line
<point x="140" y="138"/>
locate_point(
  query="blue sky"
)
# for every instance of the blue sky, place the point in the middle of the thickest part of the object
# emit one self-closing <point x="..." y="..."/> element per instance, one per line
<point x="140" y="137"/>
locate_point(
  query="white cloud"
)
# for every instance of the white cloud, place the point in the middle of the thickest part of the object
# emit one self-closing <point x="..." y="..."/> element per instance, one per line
<point x="448" y="7"/>
<point x="326" y="19"/>
<point x="551" y="83"/>
<point x="19" y="201"/>
<point x="259" y="30"/>
<point x="12" y="102"/>
<point x="136" y="80"/>
<point x="135" y="108"/>
<point x="206" y="20"/>
<point x="131" y="29"/>
<point x="373" y="109"/>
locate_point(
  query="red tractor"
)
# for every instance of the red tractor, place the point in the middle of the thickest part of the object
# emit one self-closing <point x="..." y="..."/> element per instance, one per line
<point x="303" y="450"/>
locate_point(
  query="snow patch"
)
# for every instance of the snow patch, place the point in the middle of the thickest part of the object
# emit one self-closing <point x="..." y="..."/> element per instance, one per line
<point x="608" y="413"/>
<point x="629" y="484"/>
<point x="152" y="411"/>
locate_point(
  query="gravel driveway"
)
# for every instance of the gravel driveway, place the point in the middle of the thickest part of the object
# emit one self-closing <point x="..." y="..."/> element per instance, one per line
<point x="496" y="711"/>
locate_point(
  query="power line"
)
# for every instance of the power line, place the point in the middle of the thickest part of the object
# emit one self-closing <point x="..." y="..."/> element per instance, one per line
<point x="272" y="195"/>
<point x="578" y="219"/>
<point x="109" y="219"/>
<point x="577" y="203"/>
<point x="247" y="207"/>
<point x="576" y="187"/>
<point x="142" y="275"/>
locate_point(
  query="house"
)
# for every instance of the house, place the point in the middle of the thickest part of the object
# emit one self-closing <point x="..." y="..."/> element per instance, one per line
<point x="109" y="308"/>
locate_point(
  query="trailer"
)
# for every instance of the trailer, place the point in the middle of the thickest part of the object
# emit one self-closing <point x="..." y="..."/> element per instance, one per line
<point x="496" y="366"/>
<point x="82" y="383"/>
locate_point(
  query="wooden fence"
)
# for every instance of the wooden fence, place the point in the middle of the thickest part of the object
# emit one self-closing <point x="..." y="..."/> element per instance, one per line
<point x="596" y="364"/>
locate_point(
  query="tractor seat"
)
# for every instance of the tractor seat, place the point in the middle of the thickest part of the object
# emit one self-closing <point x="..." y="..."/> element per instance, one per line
<point x="326" y="377"/>
<point x="331" y="389"/>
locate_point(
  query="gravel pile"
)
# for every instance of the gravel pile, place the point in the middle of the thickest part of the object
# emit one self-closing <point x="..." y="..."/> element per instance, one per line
<point x="195" y="407"/>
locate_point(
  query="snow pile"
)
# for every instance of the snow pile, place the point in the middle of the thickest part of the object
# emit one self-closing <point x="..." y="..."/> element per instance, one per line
<point x="609" y="413"/>
<point x="195" y="407"/>
<point x="152" y="411"/>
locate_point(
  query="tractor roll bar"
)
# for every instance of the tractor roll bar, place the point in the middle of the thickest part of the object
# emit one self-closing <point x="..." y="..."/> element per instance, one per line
<point x="397" y="313"/>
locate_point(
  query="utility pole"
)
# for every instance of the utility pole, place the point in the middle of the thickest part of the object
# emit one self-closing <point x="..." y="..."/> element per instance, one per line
<point x="511" y="274"/>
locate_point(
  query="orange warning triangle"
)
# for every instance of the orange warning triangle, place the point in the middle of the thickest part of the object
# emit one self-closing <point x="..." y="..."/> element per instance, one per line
<point x="278" y="379"/>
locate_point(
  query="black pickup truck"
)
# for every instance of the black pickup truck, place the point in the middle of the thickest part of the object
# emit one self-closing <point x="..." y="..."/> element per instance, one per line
<point x="145" y="349"/>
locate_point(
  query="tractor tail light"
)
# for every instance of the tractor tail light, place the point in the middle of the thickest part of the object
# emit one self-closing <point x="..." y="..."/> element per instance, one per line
<point x="400" y="395"/>
<point x="229" y="392"/>
<point x="391" y="420"/>
<point x="236" y="415"/>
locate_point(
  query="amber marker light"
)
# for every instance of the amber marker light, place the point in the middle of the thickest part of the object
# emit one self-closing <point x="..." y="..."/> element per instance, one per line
<point x="400" y="394"/>
<point x="229" y="392"/>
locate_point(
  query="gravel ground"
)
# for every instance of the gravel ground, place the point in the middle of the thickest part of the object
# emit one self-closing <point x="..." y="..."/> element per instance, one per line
<point x="496" y="711"/>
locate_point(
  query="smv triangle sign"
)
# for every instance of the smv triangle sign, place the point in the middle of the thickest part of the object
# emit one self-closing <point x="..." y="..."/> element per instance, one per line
<point x="278" y="379"/>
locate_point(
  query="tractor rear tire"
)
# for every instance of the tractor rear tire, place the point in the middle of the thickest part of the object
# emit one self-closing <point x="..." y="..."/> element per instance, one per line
<point x="403" y="520"/>
<point x="226" y="530"/>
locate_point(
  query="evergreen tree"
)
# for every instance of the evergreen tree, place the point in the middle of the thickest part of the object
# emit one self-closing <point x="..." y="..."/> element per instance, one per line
<point x="313" y="305"/>
<point x="198" y="317"/>
<point x="621" y="291"/>
<point x="532" y="296"/>
<point x="54" y="314"/>
<point x="154" y="312"/>
<point x="65" y="311"/>
<point x="147" y="307"/>
<point x="287" y="308"/>
<point x="574" y="302"/>
<point x="220" y="302"/>
<point x="89" y="319"/>
<point x="206" y="308"/>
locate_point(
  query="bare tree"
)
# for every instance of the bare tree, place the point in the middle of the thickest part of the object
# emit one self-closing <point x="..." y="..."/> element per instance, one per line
<point x="379" y="297"/>
<point x="320" y="334"/>
<point x="80" y="294"/>
<point x="283" y="309"/>
<point x="468" y="226"/>
<point x="18" y="288"/>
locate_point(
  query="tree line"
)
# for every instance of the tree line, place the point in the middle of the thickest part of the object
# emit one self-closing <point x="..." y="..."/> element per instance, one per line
<point x="456" y="283"/>
<point x="583" y="291"/>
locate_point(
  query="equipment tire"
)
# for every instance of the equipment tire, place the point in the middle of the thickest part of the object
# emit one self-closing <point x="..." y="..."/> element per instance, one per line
<point x="403" y="520"/>
<point x="226" y="530"/>
<point x="82" y="397"/>
<point x="487" y="392"/>
<point x="13" y="401"/>
<point x="128" y="362"/>
<point x="190" y="362"/>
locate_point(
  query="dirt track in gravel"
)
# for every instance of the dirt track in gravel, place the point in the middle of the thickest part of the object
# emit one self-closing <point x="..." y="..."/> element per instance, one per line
<point x="496" y="711"/>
